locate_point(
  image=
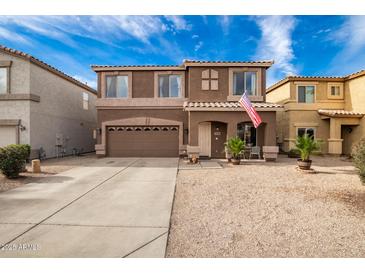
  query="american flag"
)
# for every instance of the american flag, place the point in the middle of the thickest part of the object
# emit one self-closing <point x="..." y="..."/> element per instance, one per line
<point x="246" y="104"/>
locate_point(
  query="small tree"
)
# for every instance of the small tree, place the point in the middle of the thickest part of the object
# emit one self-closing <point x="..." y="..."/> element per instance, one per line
<point x="358" y="154"/>
<point x="12" y="159"/>
<point x="306" y="145"/>
<point x="235" y="145"/>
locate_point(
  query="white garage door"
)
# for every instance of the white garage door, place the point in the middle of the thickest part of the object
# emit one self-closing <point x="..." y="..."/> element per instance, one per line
<point x="7" y="135"/>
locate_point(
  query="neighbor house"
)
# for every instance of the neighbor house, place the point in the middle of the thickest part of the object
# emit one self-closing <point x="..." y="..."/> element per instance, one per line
<point x="159" y="110"/>
<point x="43" y="107"/>
<point x="330" y="109"/>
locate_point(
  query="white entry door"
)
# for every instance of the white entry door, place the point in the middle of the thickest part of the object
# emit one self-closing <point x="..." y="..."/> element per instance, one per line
<point x="7" y="135"/>
<point x="205" y="139"/>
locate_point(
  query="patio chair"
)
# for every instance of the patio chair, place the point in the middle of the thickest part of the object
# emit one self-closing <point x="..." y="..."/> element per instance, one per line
<point x="255" y="151"/>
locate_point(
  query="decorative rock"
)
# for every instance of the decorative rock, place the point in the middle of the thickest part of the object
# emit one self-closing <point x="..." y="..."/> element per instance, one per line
<point x="36" y="166"/>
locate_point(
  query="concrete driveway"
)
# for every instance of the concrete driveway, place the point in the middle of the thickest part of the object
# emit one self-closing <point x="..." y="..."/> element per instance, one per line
<point x="112" y="207"/>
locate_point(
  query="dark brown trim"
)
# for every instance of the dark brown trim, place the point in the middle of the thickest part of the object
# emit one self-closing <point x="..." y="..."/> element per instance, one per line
<point x="20" y="97"/>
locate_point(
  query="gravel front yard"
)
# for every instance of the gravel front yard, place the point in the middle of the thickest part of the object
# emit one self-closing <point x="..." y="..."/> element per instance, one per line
<point x="48" y="167"/>
<point x="269" y="210"/>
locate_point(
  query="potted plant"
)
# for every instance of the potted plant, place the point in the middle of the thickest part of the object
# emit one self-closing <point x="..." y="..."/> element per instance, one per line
<point x="228" y="154"/>
<point x="305" y="145"/>
<point x="236" y="146"/>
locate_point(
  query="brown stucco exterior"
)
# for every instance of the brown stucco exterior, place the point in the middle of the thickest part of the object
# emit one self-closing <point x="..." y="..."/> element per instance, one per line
<point x="144" y="108"/>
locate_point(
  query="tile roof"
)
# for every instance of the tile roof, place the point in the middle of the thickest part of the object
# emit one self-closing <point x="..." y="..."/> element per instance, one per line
<point x="231" y="105"/>
<point x="297" y="77"/>
<point x="46" y="66"/>
<point x="186" y="63"/>
<point x="340" y="113"/>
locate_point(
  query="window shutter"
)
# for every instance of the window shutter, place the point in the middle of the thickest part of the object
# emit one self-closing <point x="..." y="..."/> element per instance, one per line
<point x="213" y="74"/>
<point x="205" y="84"/>
<point x="205" y="74"/>
<point x="214" y="84"/>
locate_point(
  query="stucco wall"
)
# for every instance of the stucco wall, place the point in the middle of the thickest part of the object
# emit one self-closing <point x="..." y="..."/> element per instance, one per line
<point x="232" y="118"/>
<point x="279" y="95"/>
<point x="355" y="101"/>
<point x="19" y="84"/>
<point x="60" y="113"/>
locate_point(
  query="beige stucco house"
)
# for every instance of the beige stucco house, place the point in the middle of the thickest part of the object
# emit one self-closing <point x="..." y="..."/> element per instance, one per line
<point x="43" y="107"/>
<point x="329" y="108"/>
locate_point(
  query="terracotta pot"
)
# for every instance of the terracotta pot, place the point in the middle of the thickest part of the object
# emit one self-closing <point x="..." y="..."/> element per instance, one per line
<point x="305" y="165"/>
<point x="235" y="161"/>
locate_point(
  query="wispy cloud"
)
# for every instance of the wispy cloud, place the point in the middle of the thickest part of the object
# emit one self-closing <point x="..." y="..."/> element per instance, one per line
<point x="276" y="43"/>
<point x="178" y="22"/>
<point x="351" y="37"/>
<point x="198" y="46"/>
<point x="225" y="21"/>
<point x="13" y="37"/>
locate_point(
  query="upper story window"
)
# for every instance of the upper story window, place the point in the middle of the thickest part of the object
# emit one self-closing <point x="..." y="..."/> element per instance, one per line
<point x="117" y="86"/>
<point x="335" y="91"/>
<point x="244" y="81"/>
<point x="85" y="101"/>
<point x="169" y="85"/>
<point x="3" y="80"/>
<point x="306" y="94"/>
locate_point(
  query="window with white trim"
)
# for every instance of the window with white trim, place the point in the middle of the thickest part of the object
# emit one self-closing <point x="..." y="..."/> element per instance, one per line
<point x="244" y="81"/>
<point x="117" y="86"/>
<point x="169" y="86"/>
<point x="3" y="80"/>
<point x="85" y="101"/>
<point x="306" y="94"/>
<point x="301" y="131"/>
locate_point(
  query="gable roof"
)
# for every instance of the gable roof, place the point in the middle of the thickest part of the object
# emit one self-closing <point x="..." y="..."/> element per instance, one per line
<point x="315" y="78"/>
<point x="184" y="65"/>
<point x="45" y="66"/>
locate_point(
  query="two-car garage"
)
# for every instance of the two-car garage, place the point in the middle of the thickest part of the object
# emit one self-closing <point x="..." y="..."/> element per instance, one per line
<point x="142" y="141"/>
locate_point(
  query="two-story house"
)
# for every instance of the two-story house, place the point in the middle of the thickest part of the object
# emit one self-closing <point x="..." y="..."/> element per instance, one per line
<point x="330" y="109"/>
<point x="158" y="110"/>
<point x="43" y="107"/>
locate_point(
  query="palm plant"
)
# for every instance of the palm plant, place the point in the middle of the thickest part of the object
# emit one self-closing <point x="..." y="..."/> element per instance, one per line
<point x="306" y="145"/>
<point x="236" y="146"/>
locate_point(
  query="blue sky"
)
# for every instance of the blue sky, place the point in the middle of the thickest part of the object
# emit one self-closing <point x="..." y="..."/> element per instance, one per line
<point x="299" y="45"/>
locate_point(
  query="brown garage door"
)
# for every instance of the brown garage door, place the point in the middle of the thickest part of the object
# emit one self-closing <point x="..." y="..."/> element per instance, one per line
<point x="132" y="141"/>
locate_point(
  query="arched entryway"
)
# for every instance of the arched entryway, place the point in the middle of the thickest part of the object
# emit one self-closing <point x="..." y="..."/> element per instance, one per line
<point x="211" y="138"/>
<point x="253" y="137"/>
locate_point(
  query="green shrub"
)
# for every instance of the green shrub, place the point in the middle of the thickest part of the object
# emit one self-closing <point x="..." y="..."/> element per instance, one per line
<point x="12" y="159"/>
<point x="235" y="145"/>
<point x="358" y="155"/>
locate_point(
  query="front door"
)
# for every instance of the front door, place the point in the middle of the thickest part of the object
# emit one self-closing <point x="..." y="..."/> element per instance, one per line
<point x="219" y="136"/>
<point x="205" y="139"/>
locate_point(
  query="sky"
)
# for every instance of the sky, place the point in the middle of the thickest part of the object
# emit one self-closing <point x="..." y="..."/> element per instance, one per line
<point x="299" y="45"/>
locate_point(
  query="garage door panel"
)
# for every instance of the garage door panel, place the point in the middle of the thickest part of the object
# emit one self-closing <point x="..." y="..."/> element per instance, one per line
<point x="141" y="143"/>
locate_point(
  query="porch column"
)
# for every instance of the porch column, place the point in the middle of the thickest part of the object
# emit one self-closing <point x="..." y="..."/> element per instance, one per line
<point x="335" y="141"/>
<point x="193" y="131"/>
<point x="231" y="130"/>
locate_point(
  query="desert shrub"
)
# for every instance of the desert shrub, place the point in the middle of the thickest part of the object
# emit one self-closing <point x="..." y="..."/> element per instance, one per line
<point x="358" y="155"/>
<point x="12" y="159"/>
